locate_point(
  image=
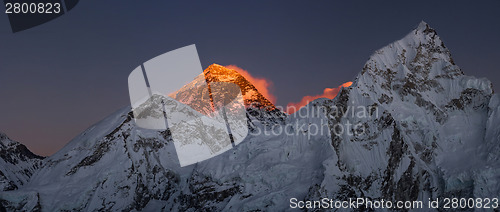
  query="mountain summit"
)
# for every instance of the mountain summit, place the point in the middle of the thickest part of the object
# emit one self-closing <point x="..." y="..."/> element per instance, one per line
<point x="251" y="96"/>
<point x="217" y="73"/>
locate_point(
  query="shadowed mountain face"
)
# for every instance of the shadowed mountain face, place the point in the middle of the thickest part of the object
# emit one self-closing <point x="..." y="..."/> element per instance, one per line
<point x="430" y="132"/>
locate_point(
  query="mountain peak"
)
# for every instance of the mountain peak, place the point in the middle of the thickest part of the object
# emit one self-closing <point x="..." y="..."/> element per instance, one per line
<point x="422" y="34"/>
<point x="422" y="26"/>
<point x="2" y="135"/>
<point x="217" y="67"/>
<point x="418" y="63"/>
<point x="252" y="97"/>
<point x="17" y="164"/>
<point x="417" y="51"/>
<point x="4" y="139"/>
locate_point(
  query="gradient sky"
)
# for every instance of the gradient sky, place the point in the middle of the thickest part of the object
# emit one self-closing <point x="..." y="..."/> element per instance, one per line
<point x="59" y="78"/>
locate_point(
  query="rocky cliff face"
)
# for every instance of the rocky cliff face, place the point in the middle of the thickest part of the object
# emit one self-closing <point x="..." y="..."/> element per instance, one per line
<point x="413" y="127"/>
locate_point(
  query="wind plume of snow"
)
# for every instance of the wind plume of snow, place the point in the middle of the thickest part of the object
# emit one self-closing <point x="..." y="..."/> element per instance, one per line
<point x="329" y="93"/>
<point x="263" y="85"/>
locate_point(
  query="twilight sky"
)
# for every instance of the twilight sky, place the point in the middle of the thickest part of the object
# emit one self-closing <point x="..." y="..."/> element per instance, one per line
<point x="59" y="78"/>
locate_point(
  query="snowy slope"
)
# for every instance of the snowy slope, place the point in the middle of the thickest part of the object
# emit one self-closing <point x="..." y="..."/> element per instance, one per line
<point x="429" y="131"/>
<point x="17" y="164"/>
<point x="133" y="169"/>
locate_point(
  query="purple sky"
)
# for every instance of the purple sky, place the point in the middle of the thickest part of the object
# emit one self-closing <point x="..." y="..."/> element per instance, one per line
<point x="59" y="78"/>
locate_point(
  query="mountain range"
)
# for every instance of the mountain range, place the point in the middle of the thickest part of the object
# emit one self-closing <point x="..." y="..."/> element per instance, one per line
<point x="420" y="129"/>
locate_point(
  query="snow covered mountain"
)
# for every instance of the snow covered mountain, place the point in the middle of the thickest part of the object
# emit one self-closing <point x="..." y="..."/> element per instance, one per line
<point x="117" y="166"/>
<point x="17" y="164"/>
<point x="420" y="129"/>
<point x="436" y="133"/>
<point x="258" y="106"/>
